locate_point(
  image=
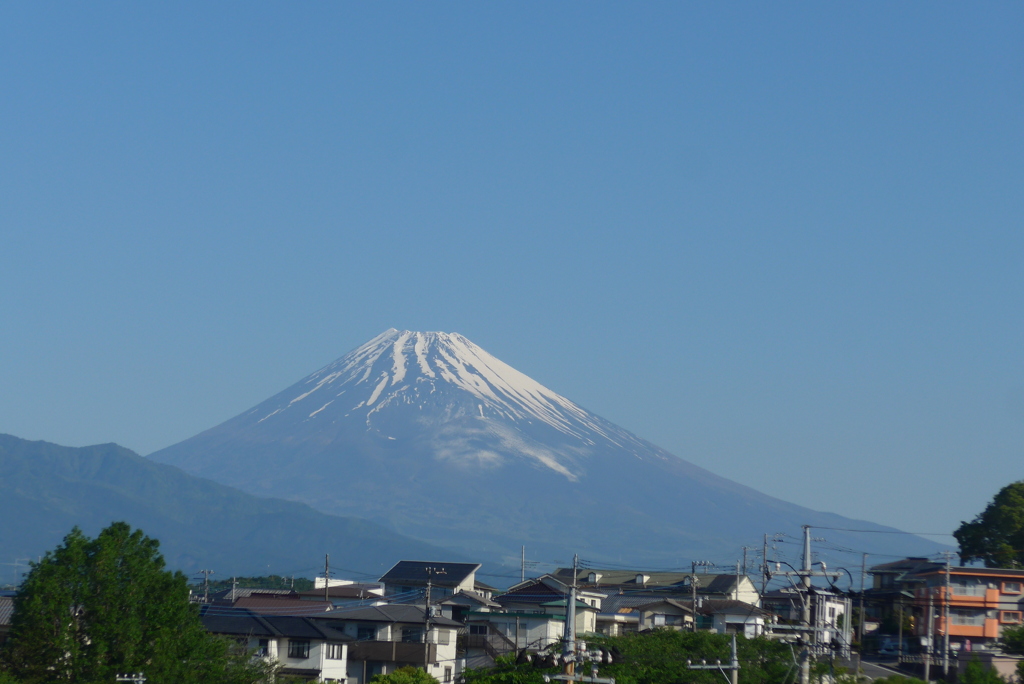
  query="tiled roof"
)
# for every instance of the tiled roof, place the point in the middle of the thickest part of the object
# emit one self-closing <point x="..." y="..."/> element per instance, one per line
<point x="397" y="612"/>
<point x="346" y="591"/>
<point x="219" y="620"/>
<point x="241" y="592"/>
<point x="267" y="605"/>
<point x="416" y="573"/>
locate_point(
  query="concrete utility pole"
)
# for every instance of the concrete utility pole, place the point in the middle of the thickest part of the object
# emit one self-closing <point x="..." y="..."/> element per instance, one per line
<point x="569" y="636"/>
<point x="945" y="618"/>
<point x="522" y="566"/>
<point x="733" y="667"/>
<point x="808" y="630"/>
<point x="206" y="584"/>
<point x="327" y="577"/>
<point x="431" y="571"/>
<point x="931" y="636"/>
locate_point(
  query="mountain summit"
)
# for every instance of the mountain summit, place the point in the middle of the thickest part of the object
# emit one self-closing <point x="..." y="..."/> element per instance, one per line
<point x="435" y="437"/>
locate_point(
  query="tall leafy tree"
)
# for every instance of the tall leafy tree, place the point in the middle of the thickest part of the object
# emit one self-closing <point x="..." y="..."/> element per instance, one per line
<point x="996" y="535"/>
<point x="92" y="608"/>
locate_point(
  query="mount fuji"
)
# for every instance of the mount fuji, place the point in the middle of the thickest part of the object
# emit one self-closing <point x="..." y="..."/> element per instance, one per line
<point x="434" y="437"/>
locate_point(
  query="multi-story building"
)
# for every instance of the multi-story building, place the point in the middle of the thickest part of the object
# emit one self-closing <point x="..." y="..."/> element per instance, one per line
<point x="970" y="605"/>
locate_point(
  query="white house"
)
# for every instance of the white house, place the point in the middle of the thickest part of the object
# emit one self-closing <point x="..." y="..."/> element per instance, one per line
<point x="303" y="646"/>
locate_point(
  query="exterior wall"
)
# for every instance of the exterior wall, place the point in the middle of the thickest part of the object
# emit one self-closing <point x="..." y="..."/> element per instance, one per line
<point x="980" y="605"/>
<point x="377" y="656"/>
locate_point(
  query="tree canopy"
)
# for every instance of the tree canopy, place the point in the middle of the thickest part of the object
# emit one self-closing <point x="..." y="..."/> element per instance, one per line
<point x="996" y="535"/>
<point x="404" y="675"/>
<point x="659" y="657"/>
<point x="93" y="608"/>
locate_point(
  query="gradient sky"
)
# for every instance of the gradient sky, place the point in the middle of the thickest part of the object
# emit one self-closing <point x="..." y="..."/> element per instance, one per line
<point x="782" y="241"/>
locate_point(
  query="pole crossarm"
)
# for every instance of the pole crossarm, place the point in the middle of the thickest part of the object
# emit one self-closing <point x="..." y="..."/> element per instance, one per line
<point x="580" y="678"/>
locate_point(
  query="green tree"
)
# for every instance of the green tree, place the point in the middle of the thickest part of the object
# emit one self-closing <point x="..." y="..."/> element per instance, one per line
<point x="1012" y="640"/>
<point x="660" y="657"/>
<point x="404" y="675"/>
<point x="92" y="608"/>
<point x="996" y="535"/>
<point x="976" y="673"/>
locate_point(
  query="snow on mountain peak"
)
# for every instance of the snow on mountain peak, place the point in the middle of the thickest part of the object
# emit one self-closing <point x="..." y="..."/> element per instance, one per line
<point x="449" y="374"/>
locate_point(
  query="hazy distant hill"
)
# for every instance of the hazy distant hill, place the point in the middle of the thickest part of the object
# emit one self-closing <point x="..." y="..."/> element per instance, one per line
<point x="432" y="436"/>
<point x="46" y="489"/>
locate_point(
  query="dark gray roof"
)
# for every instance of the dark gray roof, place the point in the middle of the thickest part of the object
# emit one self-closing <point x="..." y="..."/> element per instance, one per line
<point x="654" y="580"/>
<point x="416" y="573"/>
<point x="616" y="602"/>
<point x="239" y="622"/>
<point x="397" y="612"/>
<point x="242" y="592"/>
<point x="470" y="598"/>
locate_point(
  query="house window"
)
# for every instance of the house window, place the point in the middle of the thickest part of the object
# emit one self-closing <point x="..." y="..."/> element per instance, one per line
<point x="264" y="648"/>
<point x="1011" y="588"/>
<point x="478" y="629"/>
<point x="1011" y="617"/>
<point x="298" y="648"/>
<point x="447" y="675"/>
<point x="366" y="633"/>
<point x="412" y="635"/>
<point x="444" y="637"/>
<point x="333" y="652"/>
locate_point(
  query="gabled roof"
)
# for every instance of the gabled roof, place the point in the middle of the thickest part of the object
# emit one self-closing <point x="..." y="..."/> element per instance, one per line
<point x="241" y="592"/>
<point x="359" y="591"/>
<point x="469" y="598"/>
<point x="667" y="602"/>
<point x="241" y="622"/>
<point x="267" y="605"/>
<point x="416" y="573"/>
<point x="643" y="579"/>
<point x="395" y="612"/>
<point x="710" y="607"/>
<point x="531" y="591"/>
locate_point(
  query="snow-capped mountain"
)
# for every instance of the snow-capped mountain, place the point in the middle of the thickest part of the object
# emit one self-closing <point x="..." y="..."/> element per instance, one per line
<point x="432" y="435"/>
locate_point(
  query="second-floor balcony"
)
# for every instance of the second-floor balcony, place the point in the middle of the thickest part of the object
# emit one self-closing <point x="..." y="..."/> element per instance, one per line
<point x="393" y="651"/>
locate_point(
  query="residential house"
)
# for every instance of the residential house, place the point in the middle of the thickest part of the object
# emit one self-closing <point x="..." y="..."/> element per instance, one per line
<point x="736" y="586"/>
<point x="305" y="647"/>
<point x="387" y="637"/>
<point x="406" y="581"/>
<point x="829" y="610"/>
<point x="722" y="616"/>
<point x="530" y="616"/>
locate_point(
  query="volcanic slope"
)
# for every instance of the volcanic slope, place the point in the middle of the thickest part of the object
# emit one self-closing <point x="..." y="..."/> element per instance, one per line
<point x="434" y="437"/>
<point x="47" y="489"/>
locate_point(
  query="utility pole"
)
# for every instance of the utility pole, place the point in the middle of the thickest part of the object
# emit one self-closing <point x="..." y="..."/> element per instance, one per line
<point x="733" y="667"/>
<point x="431" y="571"/>
<point x="764" y="568"/>
<point x="808" y="630"/>
<point x="327" y="577"/>
<point x="931" y="635"/>
<point x="206" y="584"/>
<point x="693" y="596"/>
<point x="569" y="637"/>
<point x="234" y="584"/>
<point x="945" y="618"/>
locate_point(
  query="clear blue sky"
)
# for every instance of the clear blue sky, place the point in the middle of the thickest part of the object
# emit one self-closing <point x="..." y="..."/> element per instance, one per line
<point x="783" y="241"/>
